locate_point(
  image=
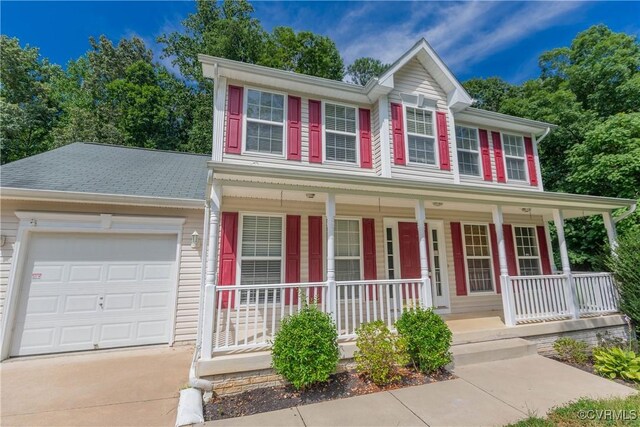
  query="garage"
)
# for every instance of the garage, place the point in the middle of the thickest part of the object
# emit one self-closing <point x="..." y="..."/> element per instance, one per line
<point x="85" y="291"/>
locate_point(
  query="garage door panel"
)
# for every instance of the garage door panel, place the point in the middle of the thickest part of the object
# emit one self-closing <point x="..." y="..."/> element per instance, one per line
<point x="82" y="292"/>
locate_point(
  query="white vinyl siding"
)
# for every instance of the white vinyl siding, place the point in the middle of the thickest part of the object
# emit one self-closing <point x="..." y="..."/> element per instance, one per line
<point x="468" y="151"/>
<point x="478" y="257"/>
<point x="261" y="250"/>
<point x="514" y="157"/>
<point x="264" y="122"/>
<point x="340" y="133"/>
<point x="527" y="251"/>
<point x="347" y="247"/>
<point x="421" y="142"/>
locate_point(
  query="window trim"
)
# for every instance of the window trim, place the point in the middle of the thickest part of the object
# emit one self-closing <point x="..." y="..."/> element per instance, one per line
<point x="323" y="103"/>
<point x="285" y="112"/>
<point x="515" y="247"/>
<point x="479" y="152"/>
<point x="361" y="257"/>
<point x="505" y="155"/>
<point x="466" y="258"/>
<point x="433" y="110"/>
<point x="239" y="256"/>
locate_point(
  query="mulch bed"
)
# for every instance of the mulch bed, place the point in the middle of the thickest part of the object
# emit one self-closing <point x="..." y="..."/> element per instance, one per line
<point x="340" y="385"/>
<point x="588" y="367"/>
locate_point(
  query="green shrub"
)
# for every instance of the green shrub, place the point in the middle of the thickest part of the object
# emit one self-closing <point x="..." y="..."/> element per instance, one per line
<point x="305" y="349"/>
<point x="571" y="350"/>
<point x="380" y="353"/>
<point x="617" y="363"/>
<point x="427" y="337"/>
<point x="625" y="266"/>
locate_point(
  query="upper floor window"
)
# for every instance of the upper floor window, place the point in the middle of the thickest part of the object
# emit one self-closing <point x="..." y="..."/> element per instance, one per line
<point x="340" y="133"/>
<point x="468" y="151"/>
<point x="527" y="251"/>
<point x="265" y="122"/>
<point x="421" y="136"/>
<point x="347" y="244"/>
<point x="478" y="257"/>
<point x="514" y="157"/>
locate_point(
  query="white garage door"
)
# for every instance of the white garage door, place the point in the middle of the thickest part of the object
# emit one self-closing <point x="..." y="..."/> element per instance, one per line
<point x="90" y="291"/>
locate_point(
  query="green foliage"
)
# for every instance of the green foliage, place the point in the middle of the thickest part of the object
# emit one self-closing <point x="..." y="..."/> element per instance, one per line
<point x="380" y="353"/>
<point x="489" y="93"/>
<point x="305" y="349"/>
<point x="617" y="363"/>
<point x="427" y="337"/>
<point x="571" y="350"/>
<point x="364" y="69"/>
<point x="625" y="266"/>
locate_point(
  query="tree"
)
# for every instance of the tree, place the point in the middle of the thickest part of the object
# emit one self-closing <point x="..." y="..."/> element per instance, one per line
<point x="364" y="69"/>
<point x="489" y="93"/>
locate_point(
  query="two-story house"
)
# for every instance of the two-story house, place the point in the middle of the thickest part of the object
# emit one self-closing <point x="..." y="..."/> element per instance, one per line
<point x="364" y="200"/>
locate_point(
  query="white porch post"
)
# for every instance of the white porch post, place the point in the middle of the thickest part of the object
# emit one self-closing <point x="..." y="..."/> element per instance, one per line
<point x="572" y="295"/>
<point x="612" y="234"/>
<point x="427" y="295"/>
<point x="212" y="272"/>
<point x="507" y="301"/>
<point x="331" y="264"/>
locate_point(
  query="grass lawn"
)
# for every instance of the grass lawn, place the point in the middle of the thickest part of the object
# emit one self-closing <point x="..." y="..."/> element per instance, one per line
<point x="589" y="412"/>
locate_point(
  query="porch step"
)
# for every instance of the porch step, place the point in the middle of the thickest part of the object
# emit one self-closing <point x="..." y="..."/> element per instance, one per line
<point x="488" y="351"/>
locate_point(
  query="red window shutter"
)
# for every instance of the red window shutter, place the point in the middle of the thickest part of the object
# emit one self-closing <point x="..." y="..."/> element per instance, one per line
<point x="498" y="157"/>
<point x="545" y="256"/>
<point x="512" y="262"/>
<point x="369" y="248"/>
<point x="315" y="255"/>
<point x="315" y="131"/>
<point x="486" y="157"/>
<point x="443" y="140"/>
<point x="228" y="253"/>
<point x="292" y="259"/>
<point x="458" y="259"/>
<point x="496" y="256"/>
<point x="397" y="127"/>
<point x="234" y="119"/>
<point x="531" y="161"/>
<point x="294" y="128"/>
<point x="365" y="138"/>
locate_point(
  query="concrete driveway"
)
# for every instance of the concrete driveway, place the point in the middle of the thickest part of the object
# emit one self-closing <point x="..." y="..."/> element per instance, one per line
<point x="132" y="387"/>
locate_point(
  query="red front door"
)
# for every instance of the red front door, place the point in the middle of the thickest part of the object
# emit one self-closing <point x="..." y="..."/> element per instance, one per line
<point x="409" y="250"/>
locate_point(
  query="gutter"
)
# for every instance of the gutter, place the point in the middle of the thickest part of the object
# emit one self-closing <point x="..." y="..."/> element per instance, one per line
<point x="631" y="210"/>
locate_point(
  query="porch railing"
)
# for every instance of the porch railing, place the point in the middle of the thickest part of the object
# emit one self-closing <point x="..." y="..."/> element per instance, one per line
<point x="538" y="298"/>
<point x="596" y="293"/>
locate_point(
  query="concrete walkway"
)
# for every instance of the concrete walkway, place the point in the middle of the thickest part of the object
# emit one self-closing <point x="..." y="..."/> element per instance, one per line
<point x="485" y="394"/>
<point x="133" y="387"/>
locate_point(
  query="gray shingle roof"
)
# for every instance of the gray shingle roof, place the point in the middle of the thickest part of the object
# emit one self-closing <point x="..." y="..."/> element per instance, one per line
<point x="111" y="169"/>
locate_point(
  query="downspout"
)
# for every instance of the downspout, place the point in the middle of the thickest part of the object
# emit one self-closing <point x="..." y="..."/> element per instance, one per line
<point x="544" y="135"/>
<point x="631" y="210"/>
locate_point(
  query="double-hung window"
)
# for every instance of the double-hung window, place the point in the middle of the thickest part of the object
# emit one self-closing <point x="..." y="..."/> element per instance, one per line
<point x="468" y="151"/>
<point x="421" y="141"/>
<point x="478" y="257"/>
<point x="347" y="249"/>
<point x="265" y="122"/>
<point x="260" y="252"/>
<point x="340" y="133"/>
<point x="514" y="157"/>
<point x="527" y="251"/>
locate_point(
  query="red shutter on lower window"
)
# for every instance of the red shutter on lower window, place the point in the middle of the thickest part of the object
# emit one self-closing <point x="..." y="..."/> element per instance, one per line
<point x="315" y="256"/>
<point x="512" y="262"/>
<point x="292" y="259"/>
<point x="228" y="253"/>
<point x="397" y="128"/>
<point x="365" y="138"/>
<point x="531" y="161"/>
<point x="234" y="119"/>
<point x="443" y="141"/>
<point x="369" y="248"/>
<point x="498" y="157"/>
<point x="315" y="131"/>
<point x="545" y="256"/>
<point x="495" y="256"/>
<point x="458" y="259"/>
<point x="486" y="156"/>
<point x="294" y="128"/>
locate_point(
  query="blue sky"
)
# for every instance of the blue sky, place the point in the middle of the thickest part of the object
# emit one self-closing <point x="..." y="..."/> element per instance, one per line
<point x="476" y="39"/>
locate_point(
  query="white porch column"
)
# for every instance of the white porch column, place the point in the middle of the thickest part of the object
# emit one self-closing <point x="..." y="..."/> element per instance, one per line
<point x="212" y="272"/>
<point x="572" y="295"/>
<point x="508" y="305"/>
<point x="331" y="263"/>
<point x="612" y="234"/>
<point x="427" y="295"/>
